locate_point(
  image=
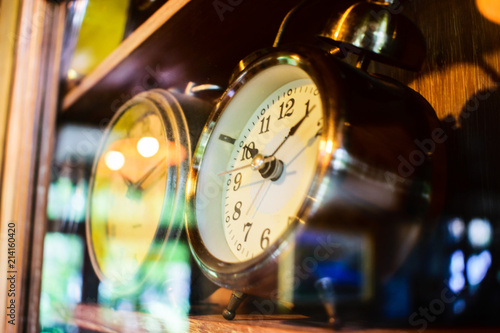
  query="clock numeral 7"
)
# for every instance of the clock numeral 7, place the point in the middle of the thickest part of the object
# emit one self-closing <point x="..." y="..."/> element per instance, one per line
<point x="249" y="226"/>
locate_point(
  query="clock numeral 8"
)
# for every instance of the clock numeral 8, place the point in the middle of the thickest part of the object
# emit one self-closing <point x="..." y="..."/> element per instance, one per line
<point x="264" y="240"/>
<point x="237" y="210"/>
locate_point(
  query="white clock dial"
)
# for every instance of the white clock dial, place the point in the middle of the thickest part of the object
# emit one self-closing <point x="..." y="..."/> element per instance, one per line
<point x="274" y="118"/>
<point x="258" y="206"/>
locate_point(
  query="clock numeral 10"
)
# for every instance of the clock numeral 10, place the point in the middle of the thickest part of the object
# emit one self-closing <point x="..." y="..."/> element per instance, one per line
<point x="264" y="239"/>
<point x="248" y="151"/>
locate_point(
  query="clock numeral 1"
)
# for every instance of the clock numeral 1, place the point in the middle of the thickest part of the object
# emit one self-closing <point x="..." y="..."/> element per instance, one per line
<point x="264" y="125"/>
<point x="264" y="240"/>
<point x="289" y="105"/>
<point x="249" y="226"/>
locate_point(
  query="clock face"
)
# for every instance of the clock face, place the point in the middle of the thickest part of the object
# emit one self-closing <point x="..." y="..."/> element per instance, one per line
<point x="259" y="163"/>
<point x="259" y="207"/>
<point x="129" y="194"/>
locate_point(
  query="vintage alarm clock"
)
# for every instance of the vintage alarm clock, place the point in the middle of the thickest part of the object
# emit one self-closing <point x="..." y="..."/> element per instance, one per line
<point x="306" y="156"/>
<point x="137" y="185"/>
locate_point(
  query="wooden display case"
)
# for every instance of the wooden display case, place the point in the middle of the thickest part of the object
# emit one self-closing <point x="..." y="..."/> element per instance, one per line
<point x="202" y="41"/>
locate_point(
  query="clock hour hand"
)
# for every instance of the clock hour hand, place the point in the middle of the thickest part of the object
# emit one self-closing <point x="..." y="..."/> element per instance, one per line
<point x="294" y="129"/>
<point x="257" y="163"/>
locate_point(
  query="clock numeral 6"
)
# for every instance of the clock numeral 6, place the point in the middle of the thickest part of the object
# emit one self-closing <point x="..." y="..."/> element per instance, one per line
<point x="264" y="240"/>
<point x="237" y="210"/>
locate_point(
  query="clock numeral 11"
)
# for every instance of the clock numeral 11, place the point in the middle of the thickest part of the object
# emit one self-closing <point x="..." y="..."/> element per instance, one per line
<point x="264" y="125"/>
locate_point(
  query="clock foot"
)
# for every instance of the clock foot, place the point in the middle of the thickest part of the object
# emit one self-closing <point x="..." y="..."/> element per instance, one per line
<point x="324" y="286"/>
<point x="236" y="299"/>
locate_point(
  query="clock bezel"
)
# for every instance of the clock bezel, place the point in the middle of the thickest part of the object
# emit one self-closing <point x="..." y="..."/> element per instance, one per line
<point x="170" y="223"/>
<point x="316" y="63"/>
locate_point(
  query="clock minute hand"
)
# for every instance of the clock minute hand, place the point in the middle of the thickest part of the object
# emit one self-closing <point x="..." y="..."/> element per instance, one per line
<point x="293" y="129"/>
<point x="138" y="183"/>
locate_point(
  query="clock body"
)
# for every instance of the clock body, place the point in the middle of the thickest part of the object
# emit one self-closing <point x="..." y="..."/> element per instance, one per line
<point x="307" y="160"/>
<point x="136" y="197"/>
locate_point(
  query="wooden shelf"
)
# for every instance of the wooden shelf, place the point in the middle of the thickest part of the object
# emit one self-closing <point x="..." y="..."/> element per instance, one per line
<point x="108" y="320"/>
<point x="133" y="41"/>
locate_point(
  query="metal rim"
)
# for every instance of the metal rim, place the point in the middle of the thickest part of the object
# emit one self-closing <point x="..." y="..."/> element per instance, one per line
<point x="169" y="227"/>
<point x="316" y="64"/>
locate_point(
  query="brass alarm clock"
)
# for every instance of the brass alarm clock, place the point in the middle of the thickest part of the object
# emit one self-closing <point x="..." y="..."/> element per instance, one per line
<point x="137" y="186"/>
<point x="302" y="144"/>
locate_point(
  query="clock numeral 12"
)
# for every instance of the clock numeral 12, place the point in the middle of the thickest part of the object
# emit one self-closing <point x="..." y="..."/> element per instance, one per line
<point x="289" y="105"/>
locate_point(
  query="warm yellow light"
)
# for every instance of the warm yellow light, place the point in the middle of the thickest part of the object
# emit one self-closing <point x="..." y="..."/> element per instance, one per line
<point x="489" y="9"/>
<point x="72" y="74"/>
<point x="148" y="146"/>
<point x="114" y="160"/>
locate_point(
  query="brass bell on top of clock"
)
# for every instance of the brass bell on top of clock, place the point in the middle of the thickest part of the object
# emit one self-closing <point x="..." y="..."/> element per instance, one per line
<point x="378" y="31"/>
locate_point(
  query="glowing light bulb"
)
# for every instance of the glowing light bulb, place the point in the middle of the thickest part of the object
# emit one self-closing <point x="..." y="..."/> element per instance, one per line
<point x="148" y="146"/>
<point x="114" y="160"/>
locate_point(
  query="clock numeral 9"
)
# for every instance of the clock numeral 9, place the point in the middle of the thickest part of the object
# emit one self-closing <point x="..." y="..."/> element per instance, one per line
<point x="288" y="105"/>
<point x="237" y="181"/>
<point x="264" y="240"/>
<point x="237" y="210"/>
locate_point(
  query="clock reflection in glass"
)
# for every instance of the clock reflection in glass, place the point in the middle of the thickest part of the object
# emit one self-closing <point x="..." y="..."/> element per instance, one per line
<point x="268" y="174"/>
<point x="128" y="196"/>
